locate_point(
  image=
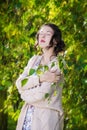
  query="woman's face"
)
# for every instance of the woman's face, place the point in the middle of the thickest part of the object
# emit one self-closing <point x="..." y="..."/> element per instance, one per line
<point x="45" y="35"/>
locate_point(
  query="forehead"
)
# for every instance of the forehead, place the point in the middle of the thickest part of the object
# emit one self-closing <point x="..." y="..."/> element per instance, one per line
<point x="46" y="29"/>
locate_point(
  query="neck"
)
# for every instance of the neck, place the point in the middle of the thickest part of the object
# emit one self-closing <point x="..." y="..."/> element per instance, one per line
<point x="47" y="56"/>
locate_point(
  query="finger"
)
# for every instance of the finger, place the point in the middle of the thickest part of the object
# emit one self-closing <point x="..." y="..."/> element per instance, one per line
<point x="58" y="74"/>
<point x="58" y="78"/>
<point x="53" y="71"/>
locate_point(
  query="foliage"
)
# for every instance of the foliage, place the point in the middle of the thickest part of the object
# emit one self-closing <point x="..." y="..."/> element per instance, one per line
<point x="19" y="22"/>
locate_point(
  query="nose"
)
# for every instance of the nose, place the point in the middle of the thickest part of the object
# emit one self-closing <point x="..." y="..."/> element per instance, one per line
<point x="43" y="35"/>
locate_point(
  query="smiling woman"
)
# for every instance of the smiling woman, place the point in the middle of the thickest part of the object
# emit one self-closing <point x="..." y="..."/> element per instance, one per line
<point x="40" y="84"/>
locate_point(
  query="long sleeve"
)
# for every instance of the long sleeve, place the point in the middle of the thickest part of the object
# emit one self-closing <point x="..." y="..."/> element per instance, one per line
<point x="32" y="80"/>
<point x="36" y="94"/>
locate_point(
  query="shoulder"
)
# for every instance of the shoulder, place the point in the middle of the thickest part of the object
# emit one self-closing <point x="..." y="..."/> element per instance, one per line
<point x="54" y="62"/>
<point x="33" y="58"/>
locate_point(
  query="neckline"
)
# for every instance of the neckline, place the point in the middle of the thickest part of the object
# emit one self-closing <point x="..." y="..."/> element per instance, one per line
<point x="51" y="60"/>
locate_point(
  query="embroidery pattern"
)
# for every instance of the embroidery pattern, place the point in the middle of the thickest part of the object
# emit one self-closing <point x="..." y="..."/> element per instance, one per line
<point x="28" y="118"/>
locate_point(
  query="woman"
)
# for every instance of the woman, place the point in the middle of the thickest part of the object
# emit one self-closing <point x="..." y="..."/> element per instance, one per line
<point x="42" y="91"/>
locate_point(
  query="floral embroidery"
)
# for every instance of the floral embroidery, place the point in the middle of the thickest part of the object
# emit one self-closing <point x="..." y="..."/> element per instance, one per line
<point x="28" y="118"/>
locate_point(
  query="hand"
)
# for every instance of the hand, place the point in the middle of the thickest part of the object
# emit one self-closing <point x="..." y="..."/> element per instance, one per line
<point x="50" y="77"/>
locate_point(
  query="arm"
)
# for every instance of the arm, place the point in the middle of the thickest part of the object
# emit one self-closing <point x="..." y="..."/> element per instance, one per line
<point x="54" y="74"/>
<point x="31" y="80"/>
<point x="37" y="94"/>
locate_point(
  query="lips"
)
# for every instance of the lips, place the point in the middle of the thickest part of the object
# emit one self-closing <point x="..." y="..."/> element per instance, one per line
<point x="42" y="40"/>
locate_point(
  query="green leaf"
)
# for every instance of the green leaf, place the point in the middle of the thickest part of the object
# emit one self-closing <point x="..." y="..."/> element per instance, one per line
<point x="1" y="88"/>
<point x="55" y="93"/>
<point x="24" y="81"/>
<point x="53" y="64"/>
<point x="53" y="85"/>
<point x="46" y="67"/>
<point x="46" y="95"/>
<point x="32" y="71"/>
<point x="39" y="72"/>
<point x="40" y="67"/>
<point x="65" y="71"/>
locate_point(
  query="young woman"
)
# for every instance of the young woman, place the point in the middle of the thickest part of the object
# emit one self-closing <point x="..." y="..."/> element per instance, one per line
<point x="42" y="92"/>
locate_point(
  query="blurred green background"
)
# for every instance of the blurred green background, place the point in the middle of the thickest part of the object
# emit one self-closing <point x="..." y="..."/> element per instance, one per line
<point x="19" y="22"/>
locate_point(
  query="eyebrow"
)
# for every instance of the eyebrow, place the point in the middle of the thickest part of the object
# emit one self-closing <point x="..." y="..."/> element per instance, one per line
<point x="47" y="31"/>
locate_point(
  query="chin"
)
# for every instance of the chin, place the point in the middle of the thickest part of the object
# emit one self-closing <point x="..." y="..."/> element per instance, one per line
<point x="42" y="46"/>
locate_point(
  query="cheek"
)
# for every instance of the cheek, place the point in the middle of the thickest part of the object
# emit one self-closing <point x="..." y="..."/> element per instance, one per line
<point x="48" y="39"/>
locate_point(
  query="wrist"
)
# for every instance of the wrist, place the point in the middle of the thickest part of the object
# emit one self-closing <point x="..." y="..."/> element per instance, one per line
<point x="41" y="79"/>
